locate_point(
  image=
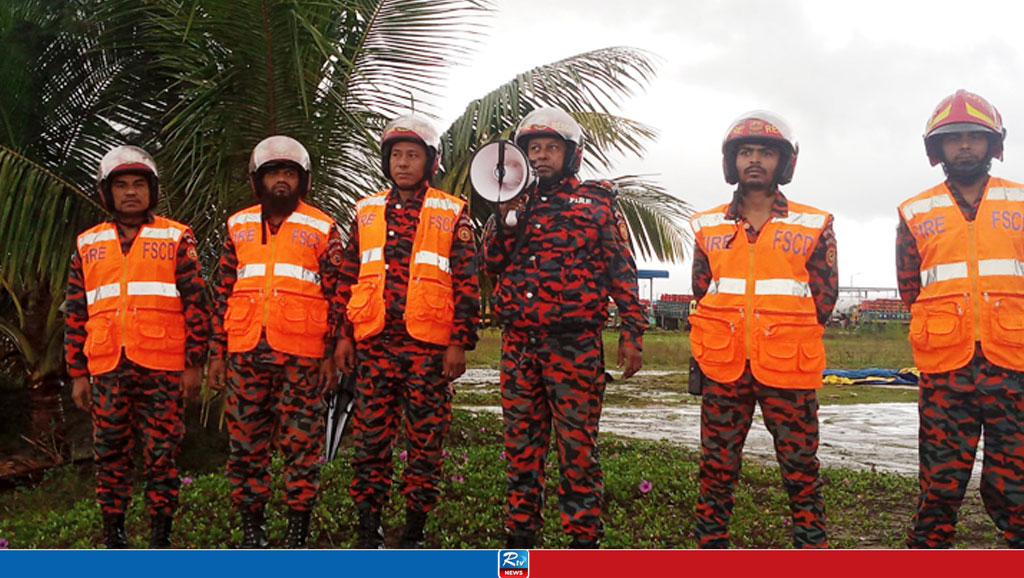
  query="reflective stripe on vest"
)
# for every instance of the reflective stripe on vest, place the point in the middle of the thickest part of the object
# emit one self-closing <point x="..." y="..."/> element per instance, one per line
<point x="133" y="300"/>
<point x="278" y="286"/>
<point x="429" y="303"/>
<point x="972" y="278"/>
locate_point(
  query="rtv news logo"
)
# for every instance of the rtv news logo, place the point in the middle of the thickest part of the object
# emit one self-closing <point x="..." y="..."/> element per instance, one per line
<point x="513" y="563"/>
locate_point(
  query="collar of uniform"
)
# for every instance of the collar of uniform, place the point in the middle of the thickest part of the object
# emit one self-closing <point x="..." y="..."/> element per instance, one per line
<point x="959" y="198"/>
<point x="414" y="201"/>
<point x="780" y="206"/>
<point x="148" y="220"/>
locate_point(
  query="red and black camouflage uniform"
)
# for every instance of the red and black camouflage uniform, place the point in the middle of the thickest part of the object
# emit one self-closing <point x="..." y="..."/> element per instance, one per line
<point x="277" y="399"/>
<point x="954" y="408"/>
<point x="551" y="299"/>
<point x="791" y="415"/>
<point x="397" y="372"/>
<point x="135" y="401"/>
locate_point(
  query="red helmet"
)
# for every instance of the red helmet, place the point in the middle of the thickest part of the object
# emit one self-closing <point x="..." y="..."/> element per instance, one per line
<point x="275" y="151"/>
<point x="963" y="111"/>
<point x="557" y="123"/>
<point x="413" y="128"/>
<point x="127" y="159"/>
<point x="761" y="127"/>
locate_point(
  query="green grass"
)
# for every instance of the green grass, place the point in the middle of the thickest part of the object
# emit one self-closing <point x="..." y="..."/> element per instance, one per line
<point x="864" y="509"/>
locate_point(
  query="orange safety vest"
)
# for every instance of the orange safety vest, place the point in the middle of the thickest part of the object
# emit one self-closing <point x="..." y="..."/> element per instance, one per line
<point x="759" y="305"/>
<point x="133" y="299"/>
<point x="430" y="302"/>
<point x="972" y="278"/>
<point x="278" y="283"/>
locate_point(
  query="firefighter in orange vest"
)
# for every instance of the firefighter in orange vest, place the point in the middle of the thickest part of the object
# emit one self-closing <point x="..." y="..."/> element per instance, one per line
<point x="412" y="304"/>
<point x="136" y="336"/>
<point x="273" y="338"/>
<point x="764" y="271"/>
<point x="960" y="269"/>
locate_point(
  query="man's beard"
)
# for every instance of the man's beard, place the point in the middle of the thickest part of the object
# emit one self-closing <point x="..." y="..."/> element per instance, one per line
<point x="280" y="205"/>
<point x="966" y="173"/>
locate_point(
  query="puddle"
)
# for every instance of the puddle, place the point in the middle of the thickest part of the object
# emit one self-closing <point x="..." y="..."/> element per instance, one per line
<point x="878" y="436"/>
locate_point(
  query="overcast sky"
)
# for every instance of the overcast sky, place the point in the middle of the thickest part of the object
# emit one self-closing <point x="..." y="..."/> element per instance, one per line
<point x="856" y="80"/>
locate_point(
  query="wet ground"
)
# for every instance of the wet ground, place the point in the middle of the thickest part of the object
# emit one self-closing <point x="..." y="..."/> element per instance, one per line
<point x="878" y="437"/>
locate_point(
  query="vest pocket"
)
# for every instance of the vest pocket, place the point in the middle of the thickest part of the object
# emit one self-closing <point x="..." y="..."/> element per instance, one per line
<point x="714" y="340"/>
<point x="99" y="338"/>
<point x="160" y="330"/>
<point x="430" y="302"/>
<point x="936" y="325"/>
<point x="362" y="305"/>
<point x="792" y="348"/>
<point x="1007" y="320"/>
<point x="300" y="315"/>
<point x="238" y="317"/>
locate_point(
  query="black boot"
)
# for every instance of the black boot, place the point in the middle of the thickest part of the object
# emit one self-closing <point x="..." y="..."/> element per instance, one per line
<point x="579" y="543"/>
<point x="521" y="540"/>
<point x="412" y="536"/>
<point x="114" y="536"/>
<point x="254" y="529"/>
<point x="160" y="530"/>
<point x="298" y="529"/>
<point x="369" y="536"/>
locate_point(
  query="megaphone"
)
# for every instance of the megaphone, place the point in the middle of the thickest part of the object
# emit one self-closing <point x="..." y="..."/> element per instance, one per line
<point x="499" y="172"/>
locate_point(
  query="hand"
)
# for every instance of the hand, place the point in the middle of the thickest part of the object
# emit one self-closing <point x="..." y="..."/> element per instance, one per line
<point x="517" y="204"/>
<point x="328" y="372"/>
<point x="190" y="383"/>
<point x="345" y="355"/>
<point x="215" y="376"/>
<point x="630" y="359"/>
<point x="81" y="392"/>
<point x="454" y="362"/>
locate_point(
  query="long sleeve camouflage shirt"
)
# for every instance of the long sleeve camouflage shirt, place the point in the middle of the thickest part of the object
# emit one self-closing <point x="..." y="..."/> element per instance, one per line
<point x="558" y="267"/>
<point x="402" y="218"/>
<point x="822" y="266"/>
<point x="188" y="280"/>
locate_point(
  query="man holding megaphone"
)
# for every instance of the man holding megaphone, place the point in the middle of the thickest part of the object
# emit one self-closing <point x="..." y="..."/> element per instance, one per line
<point x="412" y="304"/>
<point x="558" y="262"/>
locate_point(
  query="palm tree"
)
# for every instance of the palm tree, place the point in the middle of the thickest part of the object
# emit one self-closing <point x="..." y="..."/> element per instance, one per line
<point x="199" y="83"/>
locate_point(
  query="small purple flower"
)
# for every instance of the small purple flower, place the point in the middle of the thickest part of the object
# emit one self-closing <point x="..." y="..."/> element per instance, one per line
<point x="4" y="543"/>
<point x="502" y="455"/>
<point x="646" y="486"/>
<point x="322" y="459"/>
<point x="458" y="479"/>
<point x="404" y="455"/>
<point x="483" y="430"/>
<point x="465" y="459"/>
<point x="186" y="481"/>
<point x="445" y="454"/>
<point x="786" y="522"/>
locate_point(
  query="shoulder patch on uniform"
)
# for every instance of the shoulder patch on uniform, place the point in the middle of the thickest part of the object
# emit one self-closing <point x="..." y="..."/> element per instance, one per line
<point x="465" y="235"/>
<point x="830" y="256"/>
<point x="192" y="253"/>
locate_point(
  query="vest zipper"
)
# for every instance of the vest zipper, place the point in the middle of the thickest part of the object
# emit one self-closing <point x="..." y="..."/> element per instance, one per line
<point x="269" y="276"/>
<point x="972" y="272"/>
<point x="748" y="328"/>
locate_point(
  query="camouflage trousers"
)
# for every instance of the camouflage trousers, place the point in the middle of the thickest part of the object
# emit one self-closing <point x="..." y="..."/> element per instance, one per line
<point x="791" y="416"/>
<point x="955" y="408"/>
<point x="399" y="375"/>
<point x="553" y="380"/>
<point x="274" y="399"/>
<point x="136" y="401"/>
